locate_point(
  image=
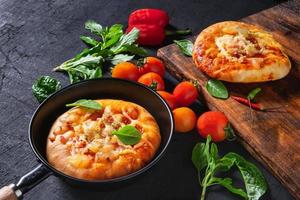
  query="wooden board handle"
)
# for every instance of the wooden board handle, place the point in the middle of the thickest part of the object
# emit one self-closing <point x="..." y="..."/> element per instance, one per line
<point x="7" y="193"/>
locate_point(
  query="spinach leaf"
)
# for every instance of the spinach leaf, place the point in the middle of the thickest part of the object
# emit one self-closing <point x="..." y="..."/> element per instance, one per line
<point x="214" y="152"/>
<point x="87" y="103"/>
<point x="94" y="27"/>
<point x="90" y="42"/>
<point x="224" y="164"/>
<point x="44" y="86"/>
<point x="199" y="157"/>
<point x="217" y="89"/>
<point x="252" y="94"/>
<point x="128" y="135"/>
<point x="121" y="58"/>
<point x="254" y="180"/>
<point x="227" y="183"/>
<point x="186" y="46"/>
<point x="207" y="148"/>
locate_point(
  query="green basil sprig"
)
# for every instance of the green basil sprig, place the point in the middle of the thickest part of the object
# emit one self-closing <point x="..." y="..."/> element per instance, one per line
<point x="128" y="135"/>
<point x="253" y="93"/>
<point x="87" y="103"/>
<point x="186" y="46"/>
<point x="217" y="89"/>
<point x="205" y="158"/>
<point x="44" y="86"/>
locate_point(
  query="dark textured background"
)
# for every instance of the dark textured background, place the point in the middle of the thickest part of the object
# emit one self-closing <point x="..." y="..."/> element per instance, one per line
<point x="37" y="35"/>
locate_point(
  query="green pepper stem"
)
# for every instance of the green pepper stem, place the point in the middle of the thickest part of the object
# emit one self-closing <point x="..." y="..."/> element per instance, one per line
<point x="178" y="32"/>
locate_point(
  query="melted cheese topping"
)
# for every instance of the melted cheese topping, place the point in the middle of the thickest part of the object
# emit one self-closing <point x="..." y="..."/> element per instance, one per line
<point x="238" y="47"/>
<point x="95" y="136"/>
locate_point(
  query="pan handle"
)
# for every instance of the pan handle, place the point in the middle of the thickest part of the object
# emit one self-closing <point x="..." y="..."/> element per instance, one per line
<point x="26" y="182"/>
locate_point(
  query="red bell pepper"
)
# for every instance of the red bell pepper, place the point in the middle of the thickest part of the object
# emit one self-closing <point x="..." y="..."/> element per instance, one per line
<point x="148" y="16"/>
<point x="151" y="24"/>
<point x="150" y="34"/>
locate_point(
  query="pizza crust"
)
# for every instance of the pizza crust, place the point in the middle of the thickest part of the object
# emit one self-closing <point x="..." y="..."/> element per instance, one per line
<point x="80" y="143"/>
<point x="239" y="52"/>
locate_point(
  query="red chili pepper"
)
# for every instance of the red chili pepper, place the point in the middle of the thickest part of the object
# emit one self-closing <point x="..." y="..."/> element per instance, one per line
<point x="151" y="24"/>
<point x="245" y="101"/>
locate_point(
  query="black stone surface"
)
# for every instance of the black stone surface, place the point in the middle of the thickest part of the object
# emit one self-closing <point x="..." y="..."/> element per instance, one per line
<point x="37" y="35"/>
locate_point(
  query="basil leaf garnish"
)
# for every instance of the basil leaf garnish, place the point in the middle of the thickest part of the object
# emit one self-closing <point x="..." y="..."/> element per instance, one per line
<point x="87" y="103"/>
<point x="217" y="89"/>
<point x="128" y="135"/>
<point x="186" y="46"/>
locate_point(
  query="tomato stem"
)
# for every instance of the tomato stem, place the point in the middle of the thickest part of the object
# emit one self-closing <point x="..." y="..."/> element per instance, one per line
<point x="195" y="83"/>
<point x="153" y="85"/>
<point x="230" y="135"/>
<point x="140" y="62"/>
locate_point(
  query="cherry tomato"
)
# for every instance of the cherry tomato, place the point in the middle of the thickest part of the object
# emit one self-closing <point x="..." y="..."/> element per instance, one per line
<point x="213" y="123"/>
<point x="152" y="80"/>
<point x="185" y="93"/>
<point x="169" y="98"/>
<point x="185" y="119"/>
<point x="152" y="64"/>
<point x="126" y="70"/>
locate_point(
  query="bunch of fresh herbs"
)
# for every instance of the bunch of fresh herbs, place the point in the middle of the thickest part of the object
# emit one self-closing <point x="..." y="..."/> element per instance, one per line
<point x="111" y="46"/>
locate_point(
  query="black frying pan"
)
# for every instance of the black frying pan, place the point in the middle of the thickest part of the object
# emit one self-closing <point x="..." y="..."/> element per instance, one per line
<point x="54" y="106"/>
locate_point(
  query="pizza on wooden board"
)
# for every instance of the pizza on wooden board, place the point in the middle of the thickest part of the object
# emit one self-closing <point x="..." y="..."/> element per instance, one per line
<point x="240" y="52"/>
<point x="81" y="143"/>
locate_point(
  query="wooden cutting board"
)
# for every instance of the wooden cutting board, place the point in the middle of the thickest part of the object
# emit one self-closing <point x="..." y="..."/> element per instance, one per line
<point x="271" y="137"/>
